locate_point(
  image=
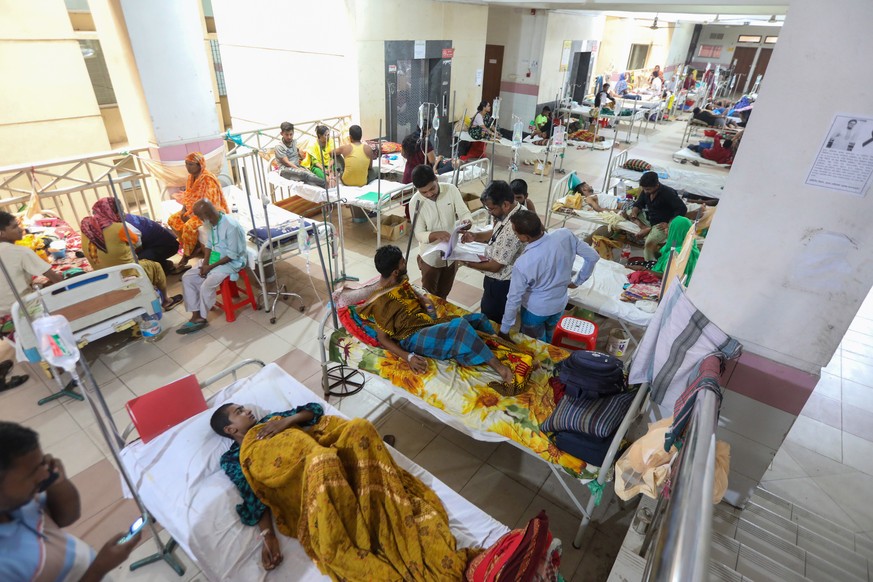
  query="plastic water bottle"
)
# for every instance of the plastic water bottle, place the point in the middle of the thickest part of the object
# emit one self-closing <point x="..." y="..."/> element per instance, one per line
<point x="625" y="254"/>
<point x="621" y="189"/>
<point x="149" y="325"/>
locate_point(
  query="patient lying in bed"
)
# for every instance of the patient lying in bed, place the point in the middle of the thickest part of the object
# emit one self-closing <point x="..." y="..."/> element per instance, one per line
<point x="332" y="484"/>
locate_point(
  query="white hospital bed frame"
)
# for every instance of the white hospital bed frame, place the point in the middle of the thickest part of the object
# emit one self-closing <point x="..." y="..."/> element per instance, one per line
<point x="587" y="510"/>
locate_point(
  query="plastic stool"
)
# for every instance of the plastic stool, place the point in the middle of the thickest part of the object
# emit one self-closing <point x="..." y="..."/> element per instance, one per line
<point x="576" y="330"/>
<point x="230" y="290"/>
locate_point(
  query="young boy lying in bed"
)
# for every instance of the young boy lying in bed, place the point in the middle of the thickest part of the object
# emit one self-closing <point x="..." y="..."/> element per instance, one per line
<point x="332" y="484"/>
<point x="407" y="325"/>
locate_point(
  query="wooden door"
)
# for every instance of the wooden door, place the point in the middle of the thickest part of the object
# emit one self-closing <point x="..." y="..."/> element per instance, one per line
<point x="492" y="72"/>
<point x="743" y="59"/>
<point x="761" y="65"/>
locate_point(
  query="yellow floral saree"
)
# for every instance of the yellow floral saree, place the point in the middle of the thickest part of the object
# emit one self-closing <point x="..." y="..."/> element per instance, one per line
<point x="337" y="489"/>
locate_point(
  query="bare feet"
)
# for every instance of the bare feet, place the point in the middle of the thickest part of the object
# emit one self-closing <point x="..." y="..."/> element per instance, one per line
<point x="505" y="373"/>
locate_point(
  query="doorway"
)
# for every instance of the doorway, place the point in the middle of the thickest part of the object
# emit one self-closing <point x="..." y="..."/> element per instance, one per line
<point x="760" y="66"/>
<point x="744" y="58"/>
<point x="580" y="76"/>
<point x="492" y="72"/>
<point x="416" y="73"/>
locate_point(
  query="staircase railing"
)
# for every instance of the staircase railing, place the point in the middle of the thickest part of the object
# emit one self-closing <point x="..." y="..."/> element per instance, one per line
<point x="681" y="549"/>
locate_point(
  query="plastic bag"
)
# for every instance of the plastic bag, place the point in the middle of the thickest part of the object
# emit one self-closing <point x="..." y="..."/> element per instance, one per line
<point x="645" y="466"/>
<point x="722" y="468"/>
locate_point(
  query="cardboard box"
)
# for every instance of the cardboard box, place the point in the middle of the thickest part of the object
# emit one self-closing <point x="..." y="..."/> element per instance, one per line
<point x="394" y="227"/>
<point x="473" y="202"/>
<point x="540" y="171"/>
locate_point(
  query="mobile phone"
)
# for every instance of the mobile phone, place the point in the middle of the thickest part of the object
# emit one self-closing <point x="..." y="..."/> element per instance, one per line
<point x="47" y="482"/>
<point x="135" y="528"/>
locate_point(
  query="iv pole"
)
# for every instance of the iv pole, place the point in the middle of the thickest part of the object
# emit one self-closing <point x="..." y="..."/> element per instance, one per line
<point x="92" y="390"/>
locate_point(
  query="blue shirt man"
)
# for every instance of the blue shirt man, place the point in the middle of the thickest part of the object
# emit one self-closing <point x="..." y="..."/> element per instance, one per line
<point x="542" y="275"/>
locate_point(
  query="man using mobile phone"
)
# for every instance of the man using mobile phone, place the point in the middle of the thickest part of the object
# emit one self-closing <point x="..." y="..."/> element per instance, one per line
<point x="36" y="501"/>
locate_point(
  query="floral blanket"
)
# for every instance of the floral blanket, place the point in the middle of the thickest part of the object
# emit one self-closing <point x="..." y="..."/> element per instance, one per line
<point x="464" y="393"/>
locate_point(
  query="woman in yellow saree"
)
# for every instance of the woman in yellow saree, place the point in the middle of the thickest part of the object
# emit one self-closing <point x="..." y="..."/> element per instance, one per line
<point x="201" y="184"/>
<point x="333" y="485"/>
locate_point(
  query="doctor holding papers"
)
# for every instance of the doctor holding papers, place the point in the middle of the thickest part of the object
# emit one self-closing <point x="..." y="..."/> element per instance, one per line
<point x="440" y="215"/>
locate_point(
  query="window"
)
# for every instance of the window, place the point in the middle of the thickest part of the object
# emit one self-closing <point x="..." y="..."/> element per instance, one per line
<point x="638" y="55"/>
<point x="716" y="35"/>
<point x="709" y="51"/>
<point x="219" y="69"/>
<point x="98" y="72"/>
<point x="749" y="38"/>
<point x="771" y="39"/>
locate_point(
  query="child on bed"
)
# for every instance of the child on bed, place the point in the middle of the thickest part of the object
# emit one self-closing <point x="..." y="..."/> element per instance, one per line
<point x="334" y="486"/>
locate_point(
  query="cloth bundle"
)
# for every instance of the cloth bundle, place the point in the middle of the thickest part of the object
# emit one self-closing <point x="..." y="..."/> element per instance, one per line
<point x="641" y="292"/>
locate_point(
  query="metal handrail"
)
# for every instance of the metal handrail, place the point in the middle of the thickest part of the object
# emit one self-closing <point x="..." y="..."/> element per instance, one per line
<point x="681" y="551"/>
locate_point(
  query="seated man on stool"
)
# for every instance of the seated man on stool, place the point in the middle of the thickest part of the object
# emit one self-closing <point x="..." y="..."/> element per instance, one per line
<point x="226" y="256"/>
<point x="542" y="275"/>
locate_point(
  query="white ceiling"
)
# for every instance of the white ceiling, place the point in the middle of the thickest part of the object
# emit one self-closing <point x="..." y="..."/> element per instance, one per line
<point x="750" y="8"/>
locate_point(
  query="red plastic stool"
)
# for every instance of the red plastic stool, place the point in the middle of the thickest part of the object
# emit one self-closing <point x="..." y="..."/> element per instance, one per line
<point x="575" y="330"/>
<point x="230" y="290"/>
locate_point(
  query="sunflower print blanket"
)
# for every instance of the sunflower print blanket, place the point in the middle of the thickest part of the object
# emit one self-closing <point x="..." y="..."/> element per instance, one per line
<point x="464" y="393"/>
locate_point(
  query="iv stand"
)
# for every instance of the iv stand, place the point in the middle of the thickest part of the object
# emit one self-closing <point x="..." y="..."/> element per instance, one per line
<point x="165" y="551"/>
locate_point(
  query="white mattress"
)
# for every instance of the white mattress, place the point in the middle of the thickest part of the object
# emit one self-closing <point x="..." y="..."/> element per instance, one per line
<point x="601" y="292"/>
<point x="525" y="145"/>
<point x="686" y="154"/>
<point x="349" y="194"/>
<point x="598" y="145"/>
<point x="180" y="481"/>
<point x="699" y="183"/>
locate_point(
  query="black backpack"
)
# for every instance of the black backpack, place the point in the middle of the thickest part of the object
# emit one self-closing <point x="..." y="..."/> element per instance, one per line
<point x="588" y="374"/>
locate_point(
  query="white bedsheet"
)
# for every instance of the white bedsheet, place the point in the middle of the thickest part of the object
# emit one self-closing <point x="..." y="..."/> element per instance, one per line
<point x="180" y="481"/>
<point x="351" y="195"/>
<point x="686" y="154"/>
<point x="699" y="183"/>
<point x="601" y="292"/>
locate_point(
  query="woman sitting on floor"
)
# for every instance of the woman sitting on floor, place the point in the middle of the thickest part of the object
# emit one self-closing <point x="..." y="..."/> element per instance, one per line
<point x="201" y="184"/>
<point x="334" y="486"/>
<point x="105" y="241"/>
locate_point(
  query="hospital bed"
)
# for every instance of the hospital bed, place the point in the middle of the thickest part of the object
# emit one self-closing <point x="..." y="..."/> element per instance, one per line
<point x="179" y="479"/>
<point x="688" y="155"/>
<point x="686" y="182"/>
<point x="97" y="304"/>
<point x="459" y="397"/>
<point x="478" y="169"/>
<point x="250" y="214"/>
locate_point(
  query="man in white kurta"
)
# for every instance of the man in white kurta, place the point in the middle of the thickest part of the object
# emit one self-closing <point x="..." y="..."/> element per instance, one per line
<point x="226" y="252"/>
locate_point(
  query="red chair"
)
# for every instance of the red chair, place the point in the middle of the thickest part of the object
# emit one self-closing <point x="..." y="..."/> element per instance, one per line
<point x="164" y="408"/>
<point x="230" y="290"/>
<point x="580" y="333"/>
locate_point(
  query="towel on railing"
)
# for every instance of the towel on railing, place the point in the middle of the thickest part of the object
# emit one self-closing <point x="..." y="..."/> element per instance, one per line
<point x="707" y="379"/>
<point x="677" y="339"/>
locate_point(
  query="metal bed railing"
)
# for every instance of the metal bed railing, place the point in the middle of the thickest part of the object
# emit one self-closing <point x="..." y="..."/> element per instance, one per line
<point x="70" y="186"/>
<point x="682" y="547"/>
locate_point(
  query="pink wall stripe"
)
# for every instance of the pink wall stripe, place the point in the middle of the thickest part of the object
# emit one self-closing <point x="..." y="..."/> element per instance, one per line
<point x="770" y="382"/>
<point x="521" y="88"/>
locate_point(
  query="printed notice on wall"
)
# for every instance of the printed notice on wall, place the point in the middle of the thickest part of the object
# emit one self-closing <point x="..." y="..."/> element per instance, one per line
<point x="419" y="49"/>
<point x="845" y="159"/>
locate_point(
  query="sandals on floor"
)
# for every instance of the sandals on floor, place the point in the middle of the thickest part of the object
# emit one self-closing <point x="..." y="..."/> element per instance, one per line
<point x="5" y="366"/>
<point x="14" y="382"/>
<point x="174" y="301"/>
<point x="191" y="327"/>
<point x="179" y="270"/>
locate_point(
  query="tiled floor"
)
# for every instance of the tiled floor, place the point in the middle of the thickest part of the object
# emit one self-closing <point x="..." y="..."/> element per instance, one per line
<point x="508" y="484"/>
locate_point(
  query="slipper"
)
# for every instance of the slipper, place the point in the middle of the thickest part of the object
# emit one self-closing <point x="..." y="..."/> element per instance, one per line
<point x="5" y="366"/>
<point x="191" y="327"/>
<point x="683" y="161"/>
<point x="174" y="301"/>
<point x="389" y="439"/>
<point x="14" y="382"/>
<point x="695" y="163"/>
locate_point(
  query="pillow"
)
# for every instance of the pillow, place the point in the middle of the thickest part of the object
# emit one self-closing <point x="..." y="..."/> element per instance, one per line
<point x="637" y="165"/>
<point x="595" y="416"/>
<point x="355" y="325"/>
<point x="518" y="555"/>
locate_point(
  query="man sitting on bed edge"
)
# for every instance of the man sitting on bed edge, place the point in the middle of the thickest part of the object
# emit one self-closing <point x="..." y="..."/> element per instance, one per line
<point x="334" y="486"/>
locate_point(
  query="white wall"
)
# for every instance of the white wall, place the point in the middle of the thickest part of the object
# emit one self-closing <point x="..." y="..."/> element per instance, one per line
<point x="562" y="26"/>
<point x="747" y="279"/>
<point x="279" y="67"/>
<point x="619" y="34"/>
<point x="729" y="42"/>
<point x="523" y="36"/>
<point x="679" y="43"/>
<point x="173" y="68"/>
<point x="379" y="20"/>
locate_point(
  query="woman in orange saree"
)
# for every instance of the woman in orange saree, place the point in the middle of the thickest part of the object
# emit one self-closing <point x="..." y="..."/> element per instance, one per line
<point x="333" y="485"/>
<point x="201" y="184"/>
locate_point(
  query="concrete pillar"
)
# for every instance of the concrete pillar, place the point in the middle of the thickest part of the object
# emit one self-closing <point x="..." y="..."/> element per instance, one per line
<point x="786" y="265"/>
<point x="166" y="40"/>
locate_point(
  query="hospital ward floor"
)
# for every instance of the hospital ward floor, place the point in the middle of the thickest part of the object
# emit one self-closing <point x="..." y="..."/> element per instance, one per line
<point x="829" y="449"/>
